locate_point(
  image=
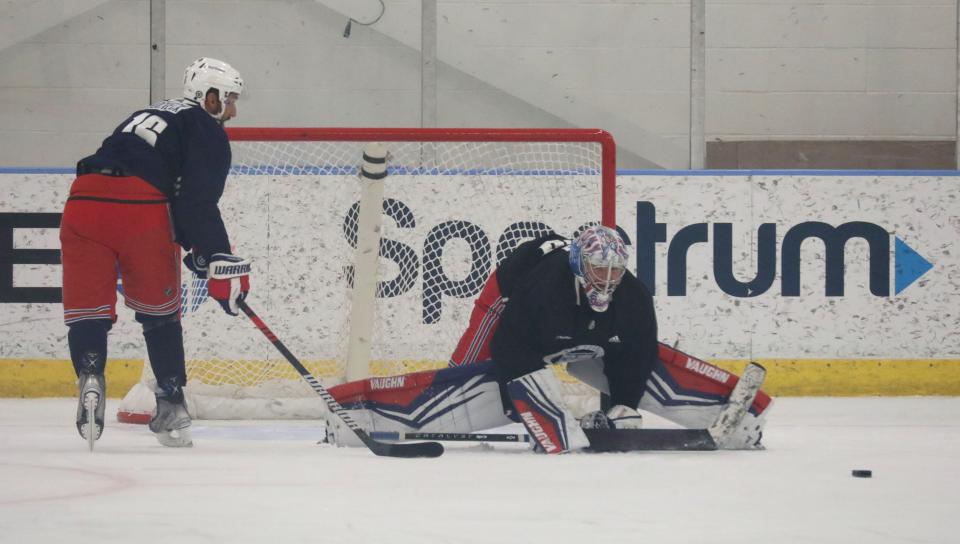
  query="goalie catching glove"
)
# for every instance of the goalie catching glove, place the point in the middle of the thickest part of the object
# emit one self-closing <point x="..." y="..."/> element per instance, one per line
<point x="617" y="417"/>
<point x="228" y="277"/>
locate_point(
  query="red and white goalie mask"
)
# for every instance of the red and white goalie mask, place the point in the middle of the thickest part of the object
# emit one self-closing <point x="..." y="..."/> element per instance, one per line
<point x="598" y="258"/>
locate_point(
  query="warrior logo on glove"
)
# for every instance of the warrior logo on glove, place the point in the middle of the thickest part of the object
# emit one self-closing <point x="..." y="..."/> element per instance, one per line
<point x="228" y="277"/>
<point x="228" y="280"/>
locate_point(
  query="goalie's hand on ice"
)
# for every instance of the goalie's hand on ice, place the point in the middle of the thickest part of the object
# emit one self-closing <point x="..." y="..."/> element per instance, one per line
<point x="617" y="417"/>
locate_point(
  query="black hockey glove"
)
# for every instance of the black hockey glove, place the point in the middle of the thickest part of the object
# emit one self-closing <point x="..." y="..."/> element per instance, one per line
<point x="197" y="264"/>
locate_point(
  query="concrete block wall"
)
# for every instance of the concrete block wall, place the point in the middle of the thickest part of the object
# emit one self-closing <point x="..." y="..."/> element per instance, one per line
<point x="70" y="70"/>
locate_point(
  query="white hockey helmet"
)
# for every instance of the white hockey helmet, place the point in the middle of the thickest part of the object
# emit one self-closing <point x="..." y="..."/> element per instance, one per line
<point x="598" y="258"/>
<point x="206" y="73"/>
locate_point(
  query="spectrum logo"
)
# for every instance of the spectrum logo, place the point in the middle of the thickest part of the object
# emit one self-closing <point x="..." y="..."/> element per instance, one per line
<point x="909" y="265"/>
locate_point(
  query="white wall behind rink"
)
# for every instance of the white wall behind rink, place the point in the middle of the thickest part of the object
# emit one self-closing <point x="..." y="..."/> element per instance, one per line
<point x="920" y="322"/>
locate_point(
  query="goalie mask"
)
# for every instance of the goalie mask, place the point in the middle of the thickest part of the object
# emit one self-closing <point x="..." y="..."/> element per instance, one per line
<point x="598" y="258"/>
<point x="204" y="74"/>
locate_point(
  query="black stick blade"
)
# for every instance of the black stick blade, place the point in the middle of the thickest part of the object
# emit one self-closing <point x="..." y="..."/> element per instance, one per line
<point x="621" y="440"/>
<point x="417" y="449"/>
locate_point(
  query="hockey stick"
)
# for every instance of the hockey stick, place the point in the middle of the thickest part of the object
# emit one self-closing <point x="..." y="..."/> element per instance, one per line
<point x="420" y="449"/>
<point x="601" y="440"/>
<point x="452" y="437"/>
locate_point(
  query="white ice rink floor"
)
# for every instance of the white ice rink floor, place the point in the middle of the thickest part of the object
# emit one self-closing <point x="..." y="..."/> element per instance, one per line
<point x="269" y="482"/>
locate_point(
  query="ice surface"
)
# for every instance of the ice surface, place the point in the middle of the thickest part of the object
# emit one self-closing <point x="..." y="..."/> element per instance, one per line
<point x="270" y="482"/>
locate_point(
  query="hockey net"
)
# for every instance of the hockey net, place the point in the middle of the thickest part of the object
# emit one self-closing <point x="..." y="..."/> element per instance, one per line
<point x="455" y="202"/>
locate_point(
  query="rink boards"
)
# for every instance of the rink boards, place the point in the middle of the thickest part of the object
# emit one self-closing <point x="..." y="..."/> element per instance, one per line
<point x="840" y="283"/>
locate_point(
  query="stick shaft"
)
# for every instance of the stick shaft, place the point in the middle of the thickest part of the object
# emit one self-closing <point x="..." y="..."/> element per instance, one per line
<point x="423" y="449"/>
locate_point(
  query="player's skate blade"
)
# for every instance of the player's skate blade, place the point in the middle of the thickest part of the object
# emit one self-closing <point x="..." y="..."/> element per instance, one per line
<point x="177" y="438"/>
<point x="90" y="403"/>
<point x="171" y="423"/>
<point x="90" y="408"/>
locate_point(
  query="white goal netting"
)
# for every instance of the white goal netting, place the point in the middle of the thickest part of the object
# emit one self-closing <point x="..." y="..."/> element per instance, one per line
<point x="455" y="202"/>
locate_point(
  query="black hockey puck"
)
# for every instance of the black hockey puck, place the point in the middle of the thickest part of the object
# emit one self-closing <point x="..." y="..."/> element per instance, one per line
<point x="862" y="473"/>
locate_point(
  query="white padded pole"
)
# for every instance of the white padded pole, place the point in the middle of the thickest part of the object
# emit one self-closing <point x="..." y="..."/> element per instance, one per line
<point x="372" y="174"/>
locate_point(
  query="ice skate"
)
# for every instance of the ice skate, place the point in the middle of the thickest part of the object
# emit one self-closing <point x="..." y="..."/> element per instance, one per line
<point x="91" y="407"/>
<point x="171" y="422"/>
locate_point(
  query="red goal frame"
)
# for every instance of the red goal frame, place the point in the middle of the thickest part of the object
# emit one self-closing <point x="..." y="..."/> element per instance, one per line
<point x="608" y="147"/>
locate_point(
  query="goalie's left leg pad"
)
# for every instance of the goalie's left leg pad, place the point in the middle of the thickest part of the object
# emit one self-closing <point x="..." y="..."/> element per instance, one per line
<point x="692" y="392"/>
<point x="539" y="403"/>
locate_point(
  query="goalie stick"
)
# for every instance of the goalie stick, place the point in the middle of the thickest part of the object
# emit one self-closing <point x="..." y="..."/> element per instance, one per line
<point x="419" y="449"/>
<point x="601" y="440"/>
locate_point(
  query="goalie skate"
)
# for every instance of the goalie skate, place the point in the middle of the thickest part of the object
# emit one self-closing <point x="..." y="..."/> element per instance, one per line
<point x="171" y="424"/>
<point x="91" y="407"/>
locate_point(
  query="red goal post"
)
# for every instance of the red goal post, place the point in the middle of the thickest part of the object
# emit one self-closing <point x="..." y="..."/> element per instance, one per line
<point x="454" y="202"/>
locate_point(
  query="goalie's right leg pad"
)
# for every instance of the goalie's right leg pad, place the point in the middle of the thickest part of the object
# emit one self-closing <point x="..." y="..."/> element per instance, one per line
<point x="450" y="400"/>
<point x="539" y="404"/>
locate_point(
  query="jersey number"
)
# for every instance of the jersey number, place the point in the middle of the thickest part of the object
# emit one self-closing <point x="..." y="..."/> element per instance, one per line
<point x="146" y="126"/>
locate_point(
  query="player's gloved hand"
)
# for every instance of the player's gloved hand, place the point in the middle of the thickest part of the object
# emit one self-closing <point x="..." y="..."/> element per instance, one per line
<point x="196" y="263"/>
<point x="228" y="280"/>
<point x="618" y="417"/>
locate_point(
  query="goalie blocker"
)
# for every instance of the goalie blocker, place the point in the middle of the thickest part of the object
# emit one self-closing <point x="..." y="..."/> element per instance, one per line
<point x="683" y="389"/>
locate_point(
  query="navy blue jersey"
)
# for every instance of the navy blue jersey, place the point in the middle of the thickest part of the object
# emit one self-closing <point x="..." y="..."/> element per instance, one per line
<point x="180" y="149"/>
<point x="548" y="320"/>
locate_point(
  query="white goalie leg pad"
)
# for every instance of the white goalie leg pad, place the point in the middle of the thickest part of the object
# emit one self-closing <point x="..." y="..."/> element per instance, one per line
<point x="735" y="427"/>
<point x="539" y="404"/>
<point x="730" y="421"/>
<point x="450" y="400"/>
<point x="698" y="395"/>
<point x="340" y="435"/>
<point x="747" y="434"/>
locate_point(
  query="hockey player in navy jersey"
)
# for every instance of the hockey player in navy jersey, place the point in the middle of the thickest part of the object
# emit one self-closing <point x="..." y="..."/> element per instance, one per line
<point x="152" y="187"/>
<point x="553" y="301"/>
